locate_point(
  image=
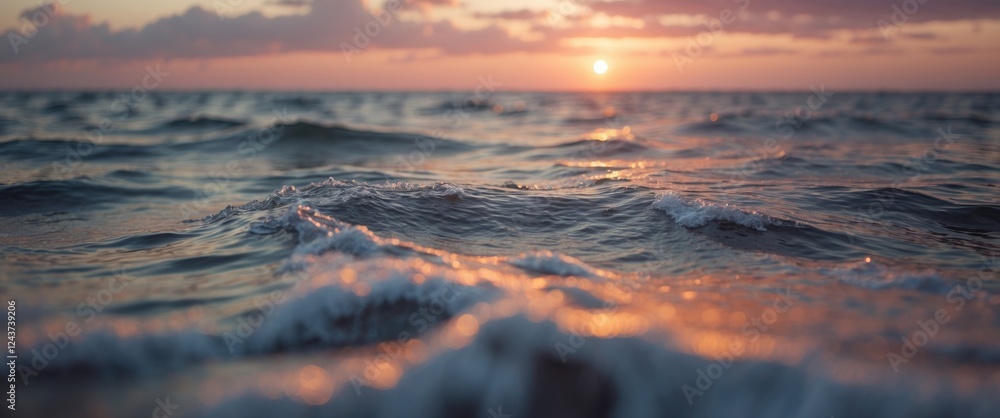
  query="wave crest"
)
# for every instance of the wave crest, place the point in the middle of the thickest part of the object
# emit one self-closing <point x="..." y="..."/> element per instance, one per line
<point x="694" y="213"/>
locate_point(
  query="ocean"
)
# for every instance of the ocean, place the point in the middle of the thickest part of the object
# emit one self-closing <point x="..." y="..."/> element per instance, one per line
<point x="502" y="254"/>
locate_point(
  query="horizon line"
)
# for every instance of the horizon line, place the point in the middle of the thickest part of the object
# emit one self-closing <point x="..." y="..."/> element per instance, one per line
<point x="450" y="90"/>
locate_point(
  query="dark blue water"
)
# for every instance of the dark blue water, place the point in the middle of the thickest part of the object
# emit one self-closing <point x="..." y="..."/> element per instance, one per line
<point x="804" y="254"/>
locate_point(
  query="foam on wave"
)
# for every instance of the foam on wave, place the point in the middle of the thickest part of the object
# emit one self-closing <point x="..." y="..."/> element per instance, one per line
<point x="513" y="367"/>
<point x="548" y="262"/>
<point x="319" y="233"/>
<point x="693" y="213"/>
<point x="338" y="191"/>
<point x="327" y="316"/>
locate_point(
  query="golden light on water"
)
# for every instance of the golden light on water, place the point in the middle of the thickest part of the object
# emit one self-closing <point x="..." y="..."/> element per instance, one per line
<point x="315" y="385"/>
<point x="468" y="325"/>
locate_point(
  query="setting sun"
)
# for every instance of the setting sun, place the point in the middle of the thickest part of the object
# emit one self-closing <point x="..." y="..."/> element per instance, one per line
<point x="600" y="67"/>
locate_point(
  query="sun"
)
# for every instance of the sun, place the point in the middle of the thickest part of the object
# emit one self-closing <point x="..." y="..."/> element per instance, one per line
<point x="600" y="67"/>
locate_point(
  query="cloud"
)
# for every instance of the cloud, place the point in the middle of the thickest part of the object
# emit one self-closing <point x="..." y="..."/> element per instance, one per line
<point x="330" y="25"/>
<point x="767" y="51"/>
<point x="878" y="50"/>
<point x="952" y="50"/>
<point x="923" y="36"/>
<point x="867" y="10"/>
<point x="200" y="33"/>
<point x="290" y="3"/>
<point x="807" y="18"/>
<point x="522" y="14"/>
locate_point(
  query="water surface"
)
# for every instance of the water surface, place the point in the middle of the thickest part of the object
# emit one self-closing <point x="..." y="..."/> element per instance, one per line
<point x="533" y="254"/>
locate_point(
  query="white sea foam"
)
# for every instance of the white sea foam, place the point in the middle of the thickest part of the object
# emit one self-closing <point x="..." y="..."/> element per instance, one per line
<point x="318" y="233"/>
<point x="693" y="213"/>
<point x="327" y="316"/>
<point x="548" y="262"/>
<point x="515" y="366"/>
<point x="334" y="316"/>
<point x="333" y="191"/>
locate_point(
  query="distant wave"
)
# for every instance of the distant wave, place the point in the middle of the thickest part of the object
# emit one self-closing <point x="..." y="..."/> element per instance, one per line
<point x="65" y="151"/>
<point x="710" y="127"/>
<point x="73" y="195"/>
<point x="336" y="192"/>
<point x="202" y="122"/>
<point x="981" y="218"/>
<point x="302" y="102"/>
<point x="471" y="104"/>
<point x="585" y="121"/>
<point x="362" y="140"/>
<point x="973" y="118"/>
<point x="586" y="148"/>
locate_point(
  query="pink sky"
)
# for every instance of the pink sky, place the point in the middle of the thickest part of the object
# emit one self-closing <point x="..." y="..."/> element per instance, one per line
<point x="526" y="45"/>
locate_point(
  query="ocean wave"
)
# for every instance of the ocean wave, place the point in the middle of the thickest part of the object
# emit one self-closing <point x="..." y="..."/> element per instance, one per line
<point x="58" y="106"/>
<point x="281" y="197"/>
<point x="694" y="213"/>
<point x="472" y="104"/>
<point x="513" y="367"/>
<point x="973" y="118"/>
<point x="586" y="121"/>
<point x="592" y="148"/>
<point x="304" y="133"/>
<point x="335" y="316"/>
<point x="202" y="122"/>
<point x="337" y="192"/>
<point x="320" y="317"/>
<point x="70" y="152"/>
<point x="76" y="195"/>
<point x="548" y="262"/>
<point x="318" y="233"/>
<point x="301" y="102"/>
<point x="981" y="218"/>
<point x="710" y="127"/>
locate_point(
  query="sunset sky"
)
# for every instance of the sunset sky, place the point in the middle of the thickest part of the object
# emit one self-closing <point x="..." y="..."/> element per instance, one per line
<point x="524" y="44"/>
